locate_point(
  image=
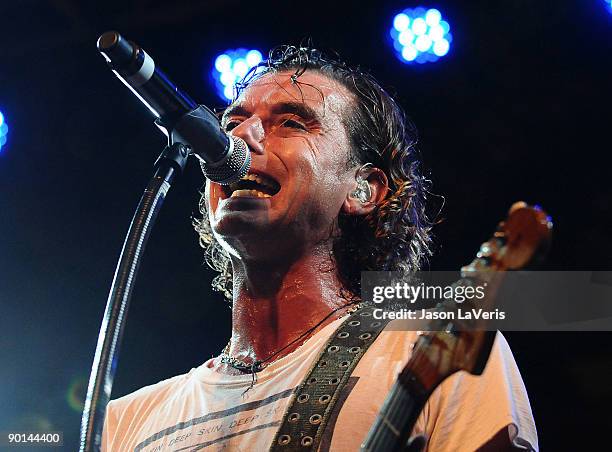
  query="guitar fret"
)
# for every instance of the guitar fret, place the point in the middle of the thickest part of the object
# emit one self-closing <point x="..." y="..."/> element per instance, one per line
<point x="390" y="426"/>
<point x="395" y="417"/>
<point x="401" y="413"/>
<point x="393" y="406"/>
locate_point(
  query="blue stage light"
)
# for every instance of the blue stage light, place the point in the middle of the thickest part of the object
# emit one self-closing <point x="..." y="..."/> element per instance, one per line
<point x="421" y="35"/>
<point x="401" y="22"/>
<point x="3" y="131"/>
<point x="433" y="17"/>
<point x="230" y="67"/>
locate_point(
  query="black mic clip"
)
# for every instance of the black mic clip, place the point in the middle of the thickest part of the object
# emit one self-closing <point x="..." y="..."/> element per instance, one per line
<point x="194" y="129"/>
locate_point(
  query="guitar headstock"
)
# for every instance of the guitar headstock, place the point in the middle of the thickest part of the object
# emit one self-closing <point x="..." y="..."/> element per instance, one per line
<point x="517" y="241"/>
<point x="520" y="239"/>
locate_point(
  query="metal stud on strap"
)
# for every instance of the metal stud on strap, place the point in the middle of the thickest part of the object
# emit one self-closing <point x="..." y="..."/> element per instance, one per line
<point x="314" y="400"/>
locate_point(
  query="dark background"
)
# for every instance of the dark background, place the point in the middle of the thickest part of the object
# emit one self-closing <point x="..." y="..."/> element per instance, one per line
<point x="519" y="109"/>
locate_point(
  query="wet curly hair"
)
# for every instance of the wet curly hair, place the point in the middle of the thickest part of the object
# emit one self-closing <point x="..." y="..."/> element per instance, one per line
<point x="396" y="235"/>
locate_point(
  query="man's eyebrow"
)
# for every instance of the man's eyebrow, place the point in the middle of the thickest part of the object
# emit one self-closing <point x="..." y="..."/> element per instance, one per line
<point x="297" y="108"/>
<point x="235" y="110"/>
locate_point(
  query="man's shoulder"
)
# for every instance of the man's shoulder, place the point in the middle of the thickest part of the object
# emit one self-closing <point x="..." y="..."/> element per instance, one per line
<point x="153" y="394"/>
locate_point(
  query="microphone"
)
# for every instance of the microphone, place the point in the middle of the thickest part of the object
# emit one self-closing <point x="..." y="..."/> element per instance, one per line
<point x="223" y="158"/>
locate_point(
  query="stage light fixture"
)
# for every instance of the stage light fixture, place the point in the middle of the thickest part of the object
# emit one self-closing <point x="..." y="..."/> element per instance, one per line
<point x="230" y="67"/>
<point x="3" y="131"/>
<point x="420" y="35"/>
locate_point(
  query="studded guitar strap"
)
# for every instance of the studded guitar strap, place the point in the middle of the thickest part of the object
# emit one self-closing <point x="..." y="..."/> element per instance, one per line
<point x="312" y="404"/>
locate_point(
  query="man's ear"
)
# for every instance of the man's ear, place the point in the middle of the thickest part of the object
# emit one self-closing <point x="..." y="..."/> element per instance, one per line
<point x="370" y="189"/>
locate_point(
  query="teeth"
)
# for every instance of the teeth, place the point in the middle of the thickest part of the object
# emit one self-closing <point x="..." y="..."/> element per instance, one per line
<point x="250" y="194"/>
<point x="258" y="179"/>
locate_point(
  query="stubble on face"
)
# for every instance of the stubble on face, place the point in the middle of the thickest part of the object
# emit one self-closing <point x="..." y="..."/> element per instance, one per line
<point x="311" y="164"/>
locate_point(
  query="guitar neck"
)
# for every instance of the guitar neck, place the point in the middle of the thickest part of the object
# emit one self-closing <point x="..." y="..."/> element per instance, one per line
<point x="458" y="345"/>
<point x="395" y="421"/>
<point x="436" y="355"/>
<point x="406" y="399"/>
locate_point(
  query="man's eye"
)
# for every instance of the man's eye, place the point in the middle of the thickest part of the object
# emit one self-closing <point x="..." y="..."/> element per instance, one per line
<point x="293" y="124"/>
<point x="230" y="125"/>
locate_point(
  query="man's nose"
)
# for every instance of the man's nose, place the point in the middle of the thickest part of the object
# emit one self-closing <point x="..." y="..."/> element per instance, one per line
<point x="252" y="132"/>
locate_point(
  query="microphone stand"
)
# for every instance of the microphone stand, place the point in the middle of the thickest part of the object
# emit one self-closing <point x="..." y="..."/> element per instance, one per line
<point x="171" y="161"/>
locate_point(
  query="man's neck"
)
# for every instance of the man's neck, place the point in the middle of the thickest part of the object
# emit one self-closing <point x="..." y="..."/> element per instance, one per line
<point x="277" y="306"/>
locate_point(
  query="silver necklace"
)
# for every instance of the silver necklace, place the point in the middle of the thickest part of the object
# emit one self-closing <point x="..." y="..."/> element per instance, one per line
<point x="257" y="366"/>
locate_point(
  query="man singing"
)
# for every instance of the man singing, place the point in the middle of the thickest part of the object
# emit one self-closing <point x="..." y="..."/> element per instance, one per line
<point x="334" y="189"/>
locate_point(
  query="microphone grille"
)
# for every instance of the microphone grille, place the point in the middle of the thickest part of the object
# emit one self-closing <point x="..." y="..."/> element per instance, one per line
<point x="235" y="165"/>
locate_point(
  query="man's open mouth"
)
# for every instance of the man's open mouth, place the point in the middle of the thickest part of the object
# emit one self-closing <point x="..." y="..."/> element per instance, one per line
<point x="253" y="186"/>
